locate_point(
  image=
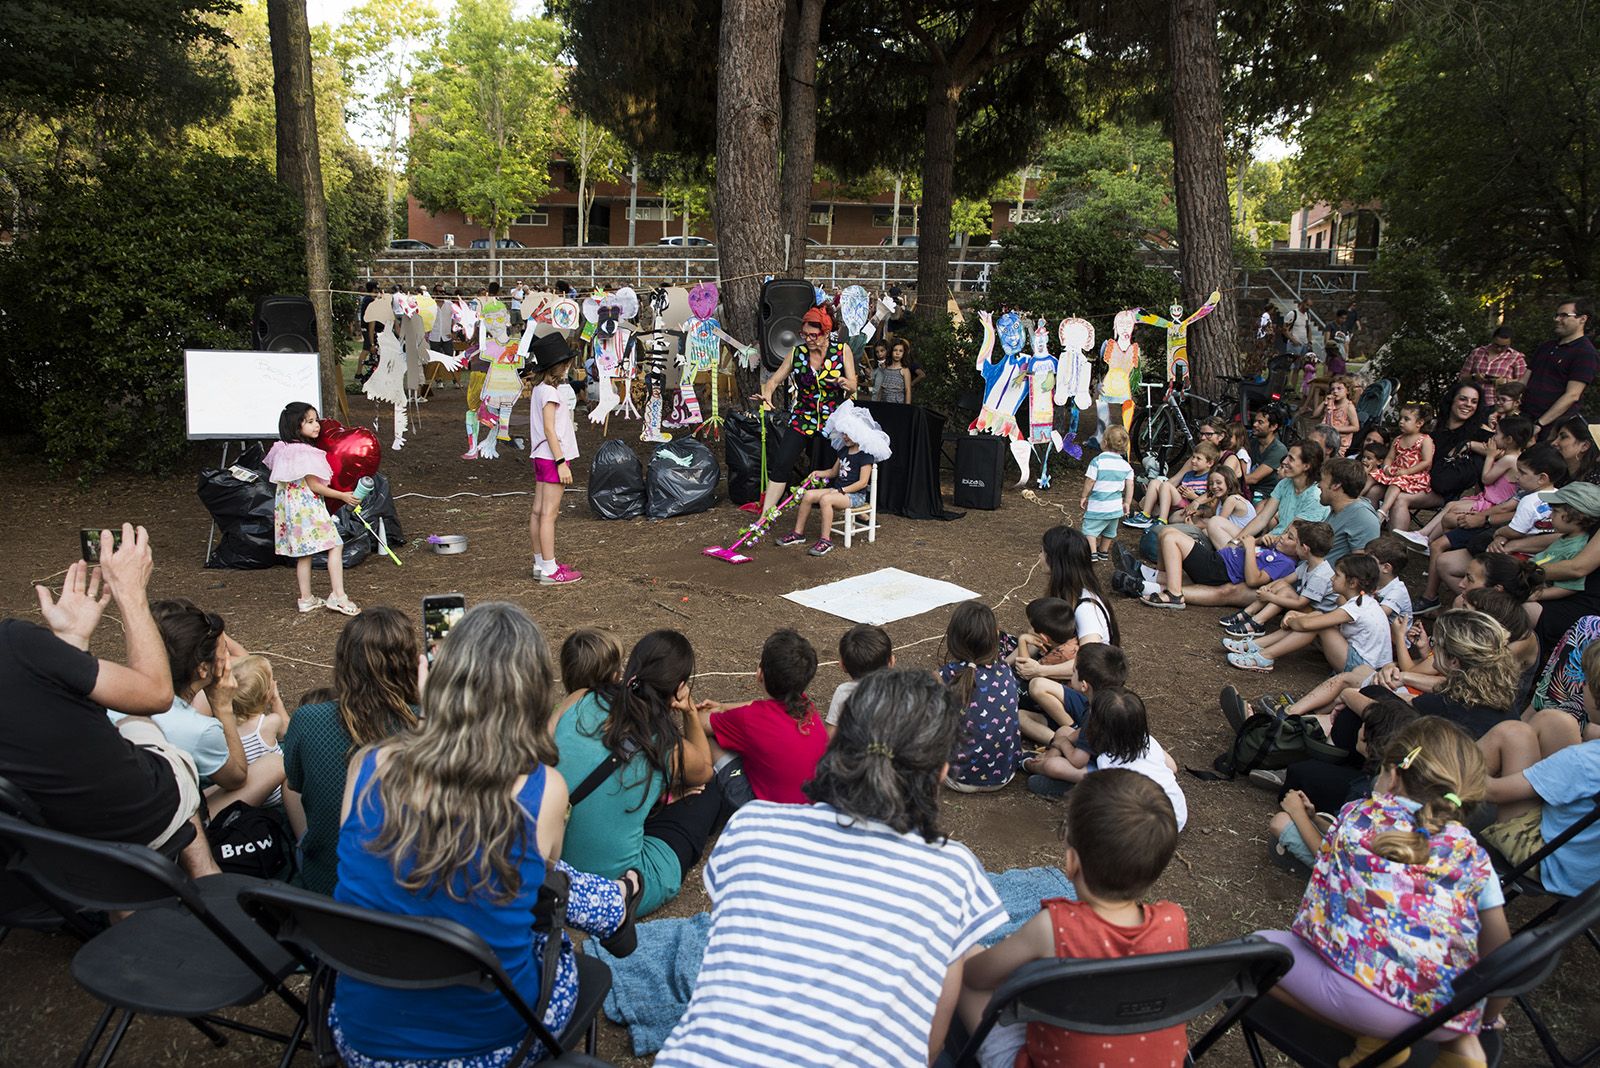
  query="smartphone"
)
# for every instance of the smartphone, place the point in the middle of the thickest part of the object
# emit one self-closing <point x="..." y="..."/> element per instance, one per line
<point x="89" y="542"/>
<point x="440" y="612"/>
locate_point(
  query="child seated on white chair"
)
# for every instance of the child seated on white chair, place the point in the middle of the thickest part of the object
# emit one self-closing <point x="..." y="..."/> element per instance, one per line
<point x="861" y="444"/>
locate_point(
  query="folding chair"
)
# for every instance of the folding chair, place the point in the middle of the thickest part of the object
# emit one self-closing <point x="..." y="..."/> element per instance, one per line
<point x="850" y="520"/>
<point x="24" y="903"/>
<point x="1517" y="880"/>
<point x="411" y="953"/>
<point x="186" y="952"/>
<point x="1133" y="995"/>
<point x="1510" y="971"/>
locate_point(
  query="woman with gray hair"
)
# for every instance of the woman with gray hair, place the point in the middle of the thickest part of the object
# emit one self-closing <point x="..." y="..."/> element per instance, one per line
<point x="862" y="909"/>
<point x="460" y="818"/>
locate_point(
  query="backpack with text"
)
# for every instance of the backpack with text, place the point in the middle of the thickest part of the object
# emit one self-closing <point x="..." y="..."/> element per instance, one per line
<point x="246" y="840"/>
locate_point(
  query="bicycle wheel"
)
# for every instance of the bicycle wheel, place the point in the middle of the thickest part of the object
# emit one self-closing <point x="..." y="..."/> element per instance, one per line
<point x="1161" y="438"/>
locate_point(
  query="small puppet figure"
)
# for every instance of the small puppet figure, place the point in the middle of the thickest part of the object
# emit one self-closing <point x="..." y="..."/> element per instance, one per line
<point x="1121" y="355"/>
<point x="655" y="389"/>
<point x="1177" y="328"/>
<point x="502" y="386"/>
<point x="615" y="350"/>
<point x="702" y="354"/>
<point x="1005" y="382"/>
<point x="1077" y="340"/>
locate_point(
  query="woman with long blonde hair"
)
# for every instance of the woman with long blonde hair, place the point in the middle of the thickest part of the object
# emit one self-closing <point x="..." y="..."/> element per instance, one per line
<point x="462" y="818"/>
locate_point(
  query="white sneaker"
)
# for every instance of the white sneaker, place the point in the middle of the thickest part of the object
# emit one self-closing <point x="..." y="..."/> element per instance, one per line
<point x="1411" y="536"/>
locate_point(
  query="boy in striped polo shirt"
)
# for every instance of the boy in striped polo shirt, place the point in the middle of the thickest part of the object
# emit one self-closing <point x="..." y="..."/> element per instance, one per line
<point x="1107" y="492"/>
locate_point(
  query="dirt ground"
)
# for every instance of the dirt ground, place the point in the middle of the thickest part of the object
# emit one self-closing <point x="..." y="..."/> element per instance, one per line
<point x="640" y="575"/>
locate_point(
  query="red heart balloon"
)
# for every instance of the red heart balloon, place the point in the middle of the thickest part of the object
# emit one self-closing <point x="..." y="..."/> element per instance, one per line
<point x="353" y="453"/>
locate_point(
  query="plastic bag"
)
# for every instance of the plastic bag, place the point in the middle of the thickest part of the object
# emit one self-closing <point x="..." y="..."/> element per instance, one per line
<point x="243" y="514"/>
<point x="681" y="480"/>
<point x="616" y="482"/>
<point x="741" y="448"/>
<point x="378" y="510"/>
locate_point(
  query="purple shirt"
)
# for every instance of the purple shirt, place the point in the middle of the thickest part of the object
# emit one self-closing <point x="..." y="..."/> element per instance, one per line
<point x="1271" y="562"/>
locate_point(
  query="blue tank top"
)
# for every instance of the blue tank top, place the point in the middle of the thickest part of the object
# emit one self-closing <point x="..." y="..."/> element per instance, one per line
<point x="453" y="1021"/>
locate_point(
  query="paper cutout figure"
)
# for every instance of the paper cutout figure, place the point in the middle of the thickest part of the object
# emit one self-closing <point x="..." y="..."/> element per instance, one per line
<point x="854" y="305"/>
<point x="1077" y="339"/>
<point x="1177" y="328"/>
<point x="502" y="386"/>
<point x="655" y="389"/>
<point x="1005" y="381"/>
<point x="387" y="384"/>
<point x="703" y="300"/>
<point x="1121" y="355"/>
<point x="615" y="355"/>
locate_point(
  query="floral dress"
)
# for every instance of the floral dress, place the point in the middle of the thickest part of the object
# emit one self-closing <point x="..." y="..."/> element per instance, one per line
<point x="990" y="739"/>
<point x="301" y="525"/>
<point x="1405" y="456"/>
<point x="816" y="392"/>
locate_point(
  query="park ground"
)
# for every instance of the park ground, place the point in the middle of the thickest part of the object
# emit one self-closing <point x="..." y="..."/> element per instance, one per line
<point x="641" y="575"/>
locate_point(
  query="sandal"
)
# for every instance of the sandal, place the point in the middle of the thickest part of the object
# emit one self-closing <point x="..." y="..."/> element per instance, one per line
<point x="309" y="604"/>
<point x="343" y="605"/>
<point x="1241" y="645"/>
<point x="823" y="547"/>
<point x="1164" y="599"/>
<point x="625" y="938"/>
<point x="1253" y="661"/>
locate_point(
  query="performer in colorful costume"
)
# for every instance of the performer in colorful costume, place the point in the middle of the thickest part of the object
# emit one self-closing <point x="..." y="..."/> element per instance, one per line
<point x="821" y="374"/>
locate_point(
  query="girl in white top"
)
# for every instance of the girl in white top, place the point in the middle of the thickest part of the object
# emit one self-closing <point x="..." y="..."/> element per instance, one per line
<point x="262" y="719"/>
<point x="1115" y="734"/>
<point x="553" y="445"/>
<point x="1355" y="633"/>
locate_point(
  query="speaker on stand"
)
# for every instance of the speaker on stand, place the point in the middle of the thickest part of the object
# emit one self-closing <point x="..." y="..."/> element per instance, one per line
<point x="783" y="302"/>
<point x="284" y="324"/>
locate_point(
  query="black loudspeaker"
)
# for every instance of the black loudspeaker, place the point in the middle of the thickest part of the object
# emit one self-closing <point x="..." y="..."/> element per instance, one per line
<point x="284" y="324"/>
<point x="980" y="467"/>
<point x="783" y="302"/>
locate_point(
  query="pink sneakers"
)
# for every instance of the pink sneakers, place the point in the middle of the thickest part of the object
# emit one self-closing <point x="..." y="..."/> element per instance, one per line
<point x="561" y="576"/>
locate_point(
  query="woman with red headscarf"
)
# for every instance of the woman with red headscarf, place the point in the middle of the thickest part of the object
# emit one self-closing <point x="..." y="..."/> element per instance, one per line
<point x="822" y="375"/>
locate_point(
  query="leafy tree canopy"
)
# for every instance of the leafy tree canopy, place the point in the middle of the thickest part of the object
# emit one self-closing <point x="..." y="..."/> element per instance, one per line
<point x="1118" y="177"/>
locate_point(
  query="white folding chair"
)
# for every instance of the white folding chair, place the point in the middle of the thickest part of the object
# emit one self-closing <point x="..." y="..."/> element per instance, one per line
<point x="864" y="518"/>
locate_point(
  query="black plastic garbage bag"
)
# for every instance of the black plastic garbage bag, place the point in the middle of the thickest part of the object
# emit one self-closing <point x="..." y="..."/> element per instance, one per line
<point x="243" y="514"/>
<point x="616" y="482"/>
<point x="741" y="448"/>
<point x="378" y="510"/>
<point x="681" y="480"/>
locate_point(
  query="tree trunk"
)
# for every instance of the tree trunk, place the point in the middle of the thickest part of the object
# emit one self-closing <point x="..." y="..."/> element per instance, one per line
<point x="300" y="169"/>
<point x="938" y="194"/>
<point x="749" y="242"/>
<point x="583" y="205"/>
<point x="1200" y="172"/>
<point x="800" y="129"/>
<point x="894" y="220"/>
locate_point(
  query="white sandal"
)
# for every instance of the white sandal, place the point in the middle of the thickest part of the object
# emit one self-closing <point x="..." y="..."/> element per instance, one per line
<point x="342" y="605"/>
<point x="309" y="604"/>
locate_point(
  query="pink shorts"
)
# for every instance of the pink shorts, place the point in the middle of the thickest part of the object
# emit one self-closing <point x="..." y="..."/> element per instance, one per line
<point x="546" y="470"/>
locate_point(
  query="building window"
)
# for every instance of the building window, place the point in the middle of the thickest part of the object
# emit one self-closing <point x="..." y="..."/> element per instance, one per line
<point x="883" y="217"/>
<point x="1022" y="213"/>
<point x="819" y="215"/>
<point x="650" y="210"/>
<point x="536" y="217"/>
<point x="1319" y="240"/>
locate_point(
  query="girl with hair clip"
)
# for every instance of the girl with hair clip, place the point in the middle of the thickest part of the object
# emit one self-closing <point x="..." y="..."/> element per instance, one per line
<point x="644" y="727"/>
<point x="986" y="754"/>
<point x="1401" y="901"/>
<point x="1353" y="635"/>
<point x="375" y="695"/>
<point x="867" y="858"/>
<point x="776" y="742"/>
<point x="463" y="819"/>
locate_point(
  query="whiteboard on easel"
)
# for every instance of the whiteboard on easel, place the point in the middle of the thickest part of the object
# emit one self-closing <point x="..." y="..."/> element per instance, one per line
<point x="236" y="395"/>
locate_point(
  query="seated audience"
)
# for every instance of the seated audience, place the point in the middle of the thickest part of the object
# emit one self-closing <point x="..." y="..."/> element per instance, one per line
<point x="1537" y="797"/>
<point x="985" y="755"/>
<point x="863" y="649"/>
<point x="1115" y="734"/>
<point x="1309" y="587"/>
<point x="1186" y="485"/>
<point x="774" y="743"/>
<point x="589" y="658"/>
<point x="1456" y="468"/>
<point x="374" y="696"/>
<point x="1407" y="467"/>
<point x="1353" y="634"/>
<point x="868" y="856"/>
<point x="261" y="719"/>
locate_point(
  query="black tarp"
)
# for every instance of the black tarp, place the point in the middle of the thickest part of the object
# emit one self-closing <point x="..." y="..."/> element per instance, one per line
<point x="908" y="482"/>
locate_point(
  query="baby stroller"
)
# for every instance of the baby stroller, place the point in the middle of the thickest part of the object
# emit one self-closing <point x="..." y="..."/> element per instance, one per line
<point x="1374" y="403"/>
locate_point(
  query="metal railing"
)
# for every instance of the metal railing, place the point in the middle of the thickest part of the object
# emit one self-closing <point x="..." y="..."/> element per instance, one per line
<point x="968" y="270"/>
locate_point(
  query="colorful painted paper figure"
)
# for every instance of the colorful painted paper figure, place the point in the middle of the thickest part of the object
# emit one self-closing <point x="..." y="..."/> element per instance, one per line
<point x="615" y="352"/>
<point x="1121" y="356"/>
<point x="502" y="386"/>
<point x="387" y="384"/>
<point x="1005" y="382"/>
<point x="1077" y="341"/>
<point x="655" y="389"/>
<point x="1177" y="328"/>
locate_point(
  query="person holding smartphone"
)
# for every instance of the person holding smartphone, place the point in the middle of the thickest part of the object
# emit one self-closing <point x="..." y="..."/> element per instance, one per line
<point x="122" y="783"/>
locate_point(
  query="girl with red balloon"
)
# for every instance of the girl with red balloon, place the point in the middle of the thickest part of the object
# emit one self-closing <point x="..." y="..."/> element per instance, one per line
<point x="301" y="525"/>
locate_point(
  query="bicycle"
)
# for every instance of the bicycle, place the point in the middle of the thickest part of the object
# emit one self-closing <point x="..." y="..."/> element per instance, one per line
<point x="1168" y="432"/>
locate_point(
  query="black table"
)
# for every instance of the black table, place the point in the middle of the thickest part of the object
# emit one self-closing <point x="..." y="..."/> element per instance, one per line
<point x="908" y="482"/>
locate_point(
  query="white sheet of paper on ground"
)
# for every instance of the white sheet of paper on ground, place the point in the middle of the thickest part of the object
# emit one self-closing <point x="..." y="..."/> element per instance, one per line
<point x="880" y="597"/>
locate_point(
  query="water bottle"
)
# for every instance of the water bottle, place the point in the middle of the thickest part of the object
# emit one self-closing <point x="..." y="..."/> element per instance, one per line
<point x="364" y="488"/>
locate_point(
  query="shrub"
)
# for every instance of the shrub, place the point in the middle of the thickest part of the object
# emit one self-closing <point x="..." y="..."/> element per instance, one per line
<point x="1435" y="323"/>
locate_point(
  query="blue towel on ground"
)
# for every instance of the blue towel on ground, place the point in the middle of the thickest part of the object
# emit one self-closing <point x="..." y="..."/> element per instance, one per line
<point x="650" y="987"/>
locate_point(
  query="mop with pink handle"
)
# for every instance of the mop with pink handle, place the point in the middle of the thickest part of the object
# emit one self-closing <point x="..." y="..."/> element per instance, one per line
<point x="760" y="527"/>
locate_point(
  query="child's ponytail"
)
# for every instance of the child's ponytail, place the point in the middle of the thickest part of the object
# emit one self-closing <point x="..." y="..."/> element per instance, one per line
<point x="1437" y="765"/>
<point x="1362" y="571"/>
<point x="973" y="637"/>
<point x="788" y="664"/>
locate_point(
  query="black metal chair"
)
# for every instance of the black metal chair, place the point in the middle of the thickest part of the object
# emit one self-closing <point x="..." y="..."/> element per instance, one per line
<point x="412" y="953"/>
<point x="24" y="903"/>
<point x="187" y="951"/>
<point x="1518" y="880"/>
<point x="1133" y="995"/>
<point x="1510" y="971"/>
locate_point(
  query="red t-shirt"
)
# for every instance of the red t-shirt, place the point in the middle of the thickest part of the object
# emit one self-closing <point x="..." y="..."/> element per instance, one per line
<point x="1081" y="932"/>
<point x="779" y="754"/>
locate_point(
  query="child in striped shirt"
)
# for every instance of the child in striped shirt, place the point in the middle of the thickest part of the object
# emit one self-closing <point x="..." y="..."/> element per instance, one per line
<point x="1107" y="492"/>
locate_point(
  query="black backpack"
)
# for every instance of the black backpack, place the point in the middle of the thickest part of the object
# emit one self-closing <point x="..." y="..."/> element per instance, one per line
<point x="1274" y="741"/>
<point x="246" y="840"/>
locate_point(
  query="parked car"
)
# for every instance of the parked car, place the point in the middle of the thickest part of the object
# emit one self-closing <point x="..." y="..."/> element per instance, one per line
<point x="685" y="242"/>
<point x="409" y="244"/>
<point x="906" y="241"/>
<point x="504" y="242"/>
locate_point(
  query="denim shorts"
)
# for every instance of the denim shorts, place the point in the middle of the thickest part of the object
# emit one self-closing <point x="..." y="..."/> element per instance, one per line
<point x="1354" y="660"/>
<point x="859" y="499"/>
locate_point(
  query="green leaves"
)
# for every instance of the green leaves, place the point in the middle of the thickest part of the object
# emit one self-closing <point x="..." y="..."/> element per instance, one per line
<point x="1057" y="269"/>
